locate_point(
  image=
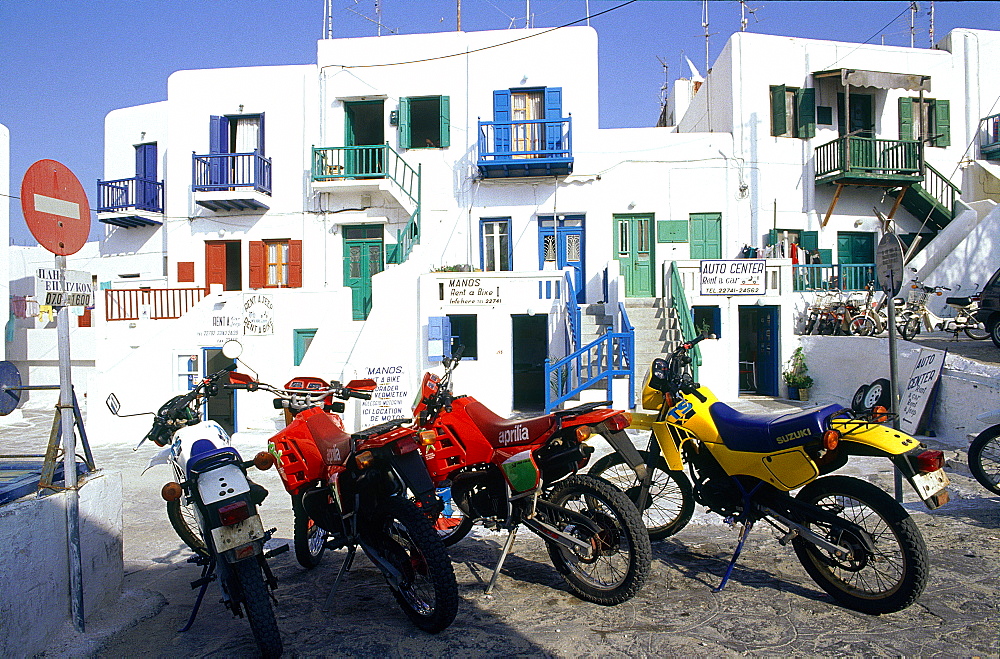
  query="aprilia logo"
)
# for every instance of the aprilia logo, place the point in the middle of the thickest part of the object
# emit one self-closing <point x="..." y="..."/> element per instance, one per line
<point x="515" y="435"/>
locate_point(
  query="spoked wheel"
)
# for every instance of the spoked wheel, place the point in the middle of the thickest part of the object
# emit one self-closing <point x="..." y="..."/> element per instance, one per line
<point x="977" y="331"/>
<point x="670" y="502"/>
<point x="887" y="579"/>
<point x="616" y="563"/>
<point x="309" y="538"/>
<point x="427" y="590"/>
<point x="257" y="603"/>
<point x="452" y="524"/>
<point x="185" y="524"/>
<point x="910" y="328"/>
<point x="995" y="334"/>
<point x="984" y="458"/>
<point x="864" y="326"/>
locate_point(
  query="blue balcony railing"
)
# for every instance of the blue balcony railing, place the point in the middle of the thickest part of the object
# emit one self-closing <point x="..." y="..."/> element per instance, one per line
<point x="537" y="147"/>
<point x="129" y="194"/>
<point x="231" y="171"/>
<point x="989" y="144"/>
<point x="842" y="276"/>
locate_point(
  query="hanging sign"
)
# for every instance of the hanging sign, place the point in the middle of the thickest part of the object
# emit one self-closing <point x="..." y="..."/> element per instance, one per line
<point x="64" y="288"/>
<point x="738" y="277"/>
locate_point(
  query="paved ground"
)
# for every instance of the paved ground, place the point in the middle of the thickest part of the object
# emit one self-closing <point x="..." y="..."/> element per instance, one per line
<point x="770" y="607"/>
<point x="983" y="351"/>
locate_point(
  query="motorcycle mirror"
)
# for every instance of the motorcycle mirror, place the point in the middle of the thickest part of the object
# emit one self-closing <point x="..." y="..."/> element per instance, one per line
<point x="113" y="404"/>
<point x="232" y="349"/>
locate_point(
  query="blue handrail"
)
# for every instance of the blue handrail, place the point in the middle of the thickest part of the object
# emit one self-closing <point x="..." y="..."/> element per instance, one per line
<point x="136" y="192"/>
<point x="605" y="358"/>
<point x="225" y="171"/>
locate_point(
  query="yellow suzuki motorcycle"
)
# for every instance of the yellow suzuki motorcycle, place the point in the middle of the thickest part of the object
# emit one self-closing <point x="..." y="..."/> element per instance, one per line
<point x="853" y="539"/>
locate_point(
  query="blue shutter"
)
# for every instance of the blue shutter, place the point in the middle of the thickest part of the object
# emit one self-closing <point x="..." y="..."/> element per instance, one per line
<point x="218" y="143"/>
<point x="501" y="115"/>
<point x="553" y="112"/>
<point x="260" y="136"/>
<point x="438" y="338"/>
<point x="145" y="161"/>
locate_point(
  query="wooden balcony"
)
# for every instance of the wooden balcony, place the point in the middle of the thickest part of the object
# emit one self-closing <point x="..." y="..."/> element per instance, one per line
<point x="158" y="303"/>
<point x="231" y="181"/>
<point x="130" y="202"/>
<point x="854" y="160"/>
<point x="538" y="147"/>
<point x="989" y="143"/>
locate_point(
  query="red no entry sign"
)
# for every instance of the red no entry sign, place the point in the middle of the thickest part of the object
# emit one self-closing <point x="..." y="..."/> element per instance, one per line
<point x="55" y="207"/>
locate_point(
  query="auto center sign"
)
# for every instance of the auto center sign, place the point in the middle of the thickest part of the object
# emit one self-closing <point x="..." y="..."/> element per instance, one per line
<point x="736" y="277"/>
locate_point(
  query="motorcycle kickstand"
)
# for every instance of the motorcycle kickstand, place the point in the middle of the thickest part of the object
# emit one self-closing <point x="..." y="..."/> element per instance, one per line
<point x="744" y="532"/>
<point x="344" y="567"/>
<point x="503" y="557"/>
<point x="207" y="576"/>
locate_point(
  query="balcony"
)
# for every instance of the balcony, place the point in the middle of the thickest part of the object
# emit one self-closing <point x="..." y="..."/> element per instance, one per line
<point x="538" y="147"/>
<point x="989" y="144"/>
<point x="130" y="202"/>
<point x="854" y="160"/>
<point x="231" y="181"/>
<point x="152" y="303"/>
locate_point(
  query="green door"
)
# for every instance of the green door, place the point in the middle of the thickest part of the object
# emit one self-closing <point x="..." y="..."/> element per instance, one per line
<point x="855" y="247"/>
<point x="363" y="258"/>
<point x="634" y="251"/>
<point x="364" y="137"/>
<point x="861" y="124"/>
<point x="705" y="235"/>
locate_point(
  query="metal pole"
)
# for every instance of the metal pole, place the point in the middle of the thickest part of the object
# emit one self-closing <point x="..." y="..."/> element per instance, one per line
<point x="69" y="460"/>
<point x="893" y="379"/>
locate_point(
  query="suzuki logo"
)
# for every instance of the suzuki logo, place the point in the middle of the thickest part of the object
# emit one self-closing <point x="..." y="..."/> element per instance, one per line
<point x="514" y="435"/>
<point x="792" y="436"/>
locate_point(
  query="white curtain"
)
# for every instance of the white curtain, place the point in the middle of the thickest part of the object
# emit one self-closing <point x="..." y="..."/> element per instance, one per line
<point x="247" y="134"/>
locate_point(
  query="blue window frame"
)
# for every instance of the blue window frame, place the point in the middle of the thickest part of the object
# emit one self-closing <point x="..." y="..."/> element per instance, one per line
<point x="561" y="244"/>
<point x="301" y="340"/>
<point x="494" y="244"/>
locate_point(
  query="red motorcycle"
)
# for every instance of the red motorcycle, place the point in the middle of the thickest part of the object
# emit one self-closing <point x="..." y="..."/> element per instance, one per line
<point x="508" y="472"/>
<point x="354" y="489"/>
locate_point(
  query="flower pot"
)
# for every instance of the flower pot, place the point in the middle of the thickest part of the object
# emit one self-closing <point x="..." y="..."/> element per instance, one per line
<point x="797" y="393"/>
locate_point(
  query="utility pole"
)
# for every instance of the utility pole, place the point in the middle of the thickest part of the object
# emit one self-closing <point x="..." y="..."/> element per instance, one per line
<point x="458" y="27"/>
<point x="914" y="8"/>
<point x="931" y="31"/>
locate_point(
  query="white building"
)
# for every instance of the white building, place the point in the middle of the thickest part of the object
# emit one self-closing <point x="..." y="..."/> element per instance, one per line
<point x="339" y="218"/>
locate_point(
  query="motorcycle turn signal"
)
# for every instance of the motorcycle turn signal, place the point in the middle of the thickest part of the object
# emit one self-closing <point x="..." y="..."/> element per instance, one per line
<point x="263" y="460"/>
<point x="171" y="491"/>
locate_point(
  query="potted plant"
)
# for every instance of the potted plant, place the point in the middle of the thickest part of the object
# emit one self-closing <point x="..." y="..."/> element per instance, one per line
<point x="796" y="376"/>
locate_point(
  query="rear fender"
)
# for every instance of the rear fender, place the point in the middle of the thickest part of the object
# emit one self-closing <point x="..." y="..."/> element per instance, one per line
<point x="860" y="438"/>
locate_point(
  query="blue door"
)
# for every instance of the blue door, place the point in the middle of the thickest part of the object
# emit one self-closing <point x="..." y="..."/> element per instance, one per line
<point x="146" y="197"/>
<point x="560" y="244"/>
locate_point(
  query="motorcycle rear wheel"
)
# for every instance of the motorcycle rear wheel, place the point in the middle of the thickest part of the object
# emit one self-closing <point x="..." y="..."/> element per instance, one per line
<point x="618" y="563"/>
<point x="976" y="331"/>
<point x="864" y="326"/>
<point x="888" y="580"/>
<point x="309" y="538"/>
<point x="910" y="328"/>
<point x="452" y="524"/>
<point x="428" y="593"/>
<point x="257" y="603"/>
<point x="185" y="524"/>
<point x="984" y="458"/>
<point x="670" y="502"/>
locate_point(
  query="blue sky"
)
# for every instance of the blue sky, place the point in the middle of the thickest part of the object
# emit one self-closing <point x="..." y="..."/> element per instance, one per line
<point x="65" y="65"/>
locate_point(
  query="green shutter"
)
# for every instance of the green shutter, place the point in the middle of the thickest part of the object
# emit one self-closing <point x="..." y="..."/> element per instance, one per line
<point x="772" y="237"/>
<point x="404" y="123"/>
<point x="805" y="100"/>
<point x="809" y="240"/>
<point x="942" y="123"/>
<point x="445" y="119"/>
<point x="779" y="123"/>
<point x="906" y="118"/>
<point x="826" y="256"/>
<point x="671" y="231"/>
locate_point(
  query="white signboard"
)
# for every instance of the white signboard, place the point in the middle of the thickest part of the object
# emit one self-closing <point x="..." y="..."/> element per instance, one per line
<point x="917" y="390"/>
<point x="739" y="277"/>
<point x="221" y="327"/>
<point x="391" y="398"/>
<point x="76" y="290"/>
<point x="472" y="290"/>
<point x="258" y="317"/>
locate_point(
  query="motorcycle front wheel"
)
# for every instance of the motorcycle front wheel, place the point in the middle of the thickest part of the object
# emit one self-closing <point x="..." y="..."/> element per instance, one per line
<point x="427" y="591"/>
<point x="984" y="458"/>
<point x="309" y="538"/>
<point x="617" y="563"/>
<point x="185" y="524"/>
<point x="885" y="580"/>
<point x="910" y="328"/>
<point x="257" y="603"/>
<point x="670" y="502"/>
<point x="864" y="326"/>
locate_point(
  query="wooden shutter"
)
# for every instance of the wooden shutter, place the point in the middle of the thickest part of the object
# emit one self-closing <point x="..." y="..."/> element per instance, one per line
<point x="404" y="123"/>
<point x="438" y="338"/>
<point x="145" y="161"/>
<point x="445" y="121"/>
<point x="215" y="264"/>
<point x="260" y="135"/>
<point x="553" y="113"/>
<point x="779" y="123"/>
<point x="295" y="264"/>
<point x="906" y="118"/>
<point x="805" y="100"/>
<point x="809" y="240"/>
<point x="942" y="123"/>
<point x="671" y="231"/>
<point x="501" y="114"/>
<point x="185" y="272"/>
<point x="258" y="264"/>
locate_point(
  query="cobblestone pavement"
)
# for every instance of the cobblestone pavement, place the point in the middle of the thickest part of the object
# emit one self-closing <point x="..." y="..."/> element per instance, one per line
<point x="770" y="606"/>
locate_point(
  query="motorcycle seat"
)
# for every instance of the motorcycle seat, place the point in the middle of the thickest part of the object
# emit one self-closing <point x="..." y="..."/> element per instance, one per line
<point x="204" y="453"/>
<point x="767" y="433"/>
<point x="958" y="301"/>
<point x="505" y="432"/>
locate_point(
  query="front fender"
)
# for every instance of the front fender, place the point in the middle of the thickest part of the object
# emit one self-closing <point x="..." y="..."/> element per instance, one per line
<point x="668" y="445"/>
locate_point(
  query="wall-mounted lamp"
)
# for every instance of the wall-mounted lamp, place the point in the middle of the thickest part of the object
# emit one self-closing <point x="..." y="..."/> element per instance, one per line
<point x="524" y="78"/>
<point x="858" y="222"/>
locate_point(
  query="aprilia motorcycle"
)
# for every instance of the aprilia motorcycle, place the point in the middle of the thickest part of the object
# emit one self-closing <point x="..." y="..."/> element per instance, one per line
<point x="508" y="472"/>
<point x="984" y="454"/>
<point x="353" y="489"/>
<point x="852" y="538"/>
<point x="212" y="506"/>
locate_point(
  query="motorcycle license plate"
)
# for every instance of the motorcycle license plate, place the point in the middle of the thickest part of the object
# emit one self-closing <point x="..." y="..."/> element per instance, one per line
<point x="237" y="535"/>
<point x="929" y="484"/>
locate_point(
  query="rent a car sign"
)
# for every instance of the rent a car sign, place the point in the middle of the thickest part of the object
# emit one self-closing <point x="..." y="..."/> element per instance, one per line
<point x="738" y="277"/>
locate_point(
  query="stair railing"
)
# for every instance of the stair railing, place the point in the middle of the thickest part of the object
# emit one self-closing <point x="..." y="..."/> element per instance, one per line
<point x="944" y="192"/>
<point x="676" y="298"/>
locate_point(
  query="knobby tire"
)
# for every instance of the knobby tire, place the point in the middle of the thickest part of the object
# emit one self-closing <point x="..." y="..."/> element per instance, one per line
<point x="257" y="604"/>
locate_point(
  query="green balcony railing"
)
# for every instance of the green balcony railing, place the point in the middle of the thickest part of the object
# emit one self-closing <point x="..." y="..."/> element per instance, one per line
<point x="869" y="159"/>
<point x="989" y="143"/>
<point x="680" y="304"/>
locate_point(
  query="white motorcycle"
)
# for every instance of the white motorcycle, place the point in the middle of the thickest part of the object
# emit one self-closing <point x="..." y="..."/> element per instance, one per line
<point x="212" y="506"/>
